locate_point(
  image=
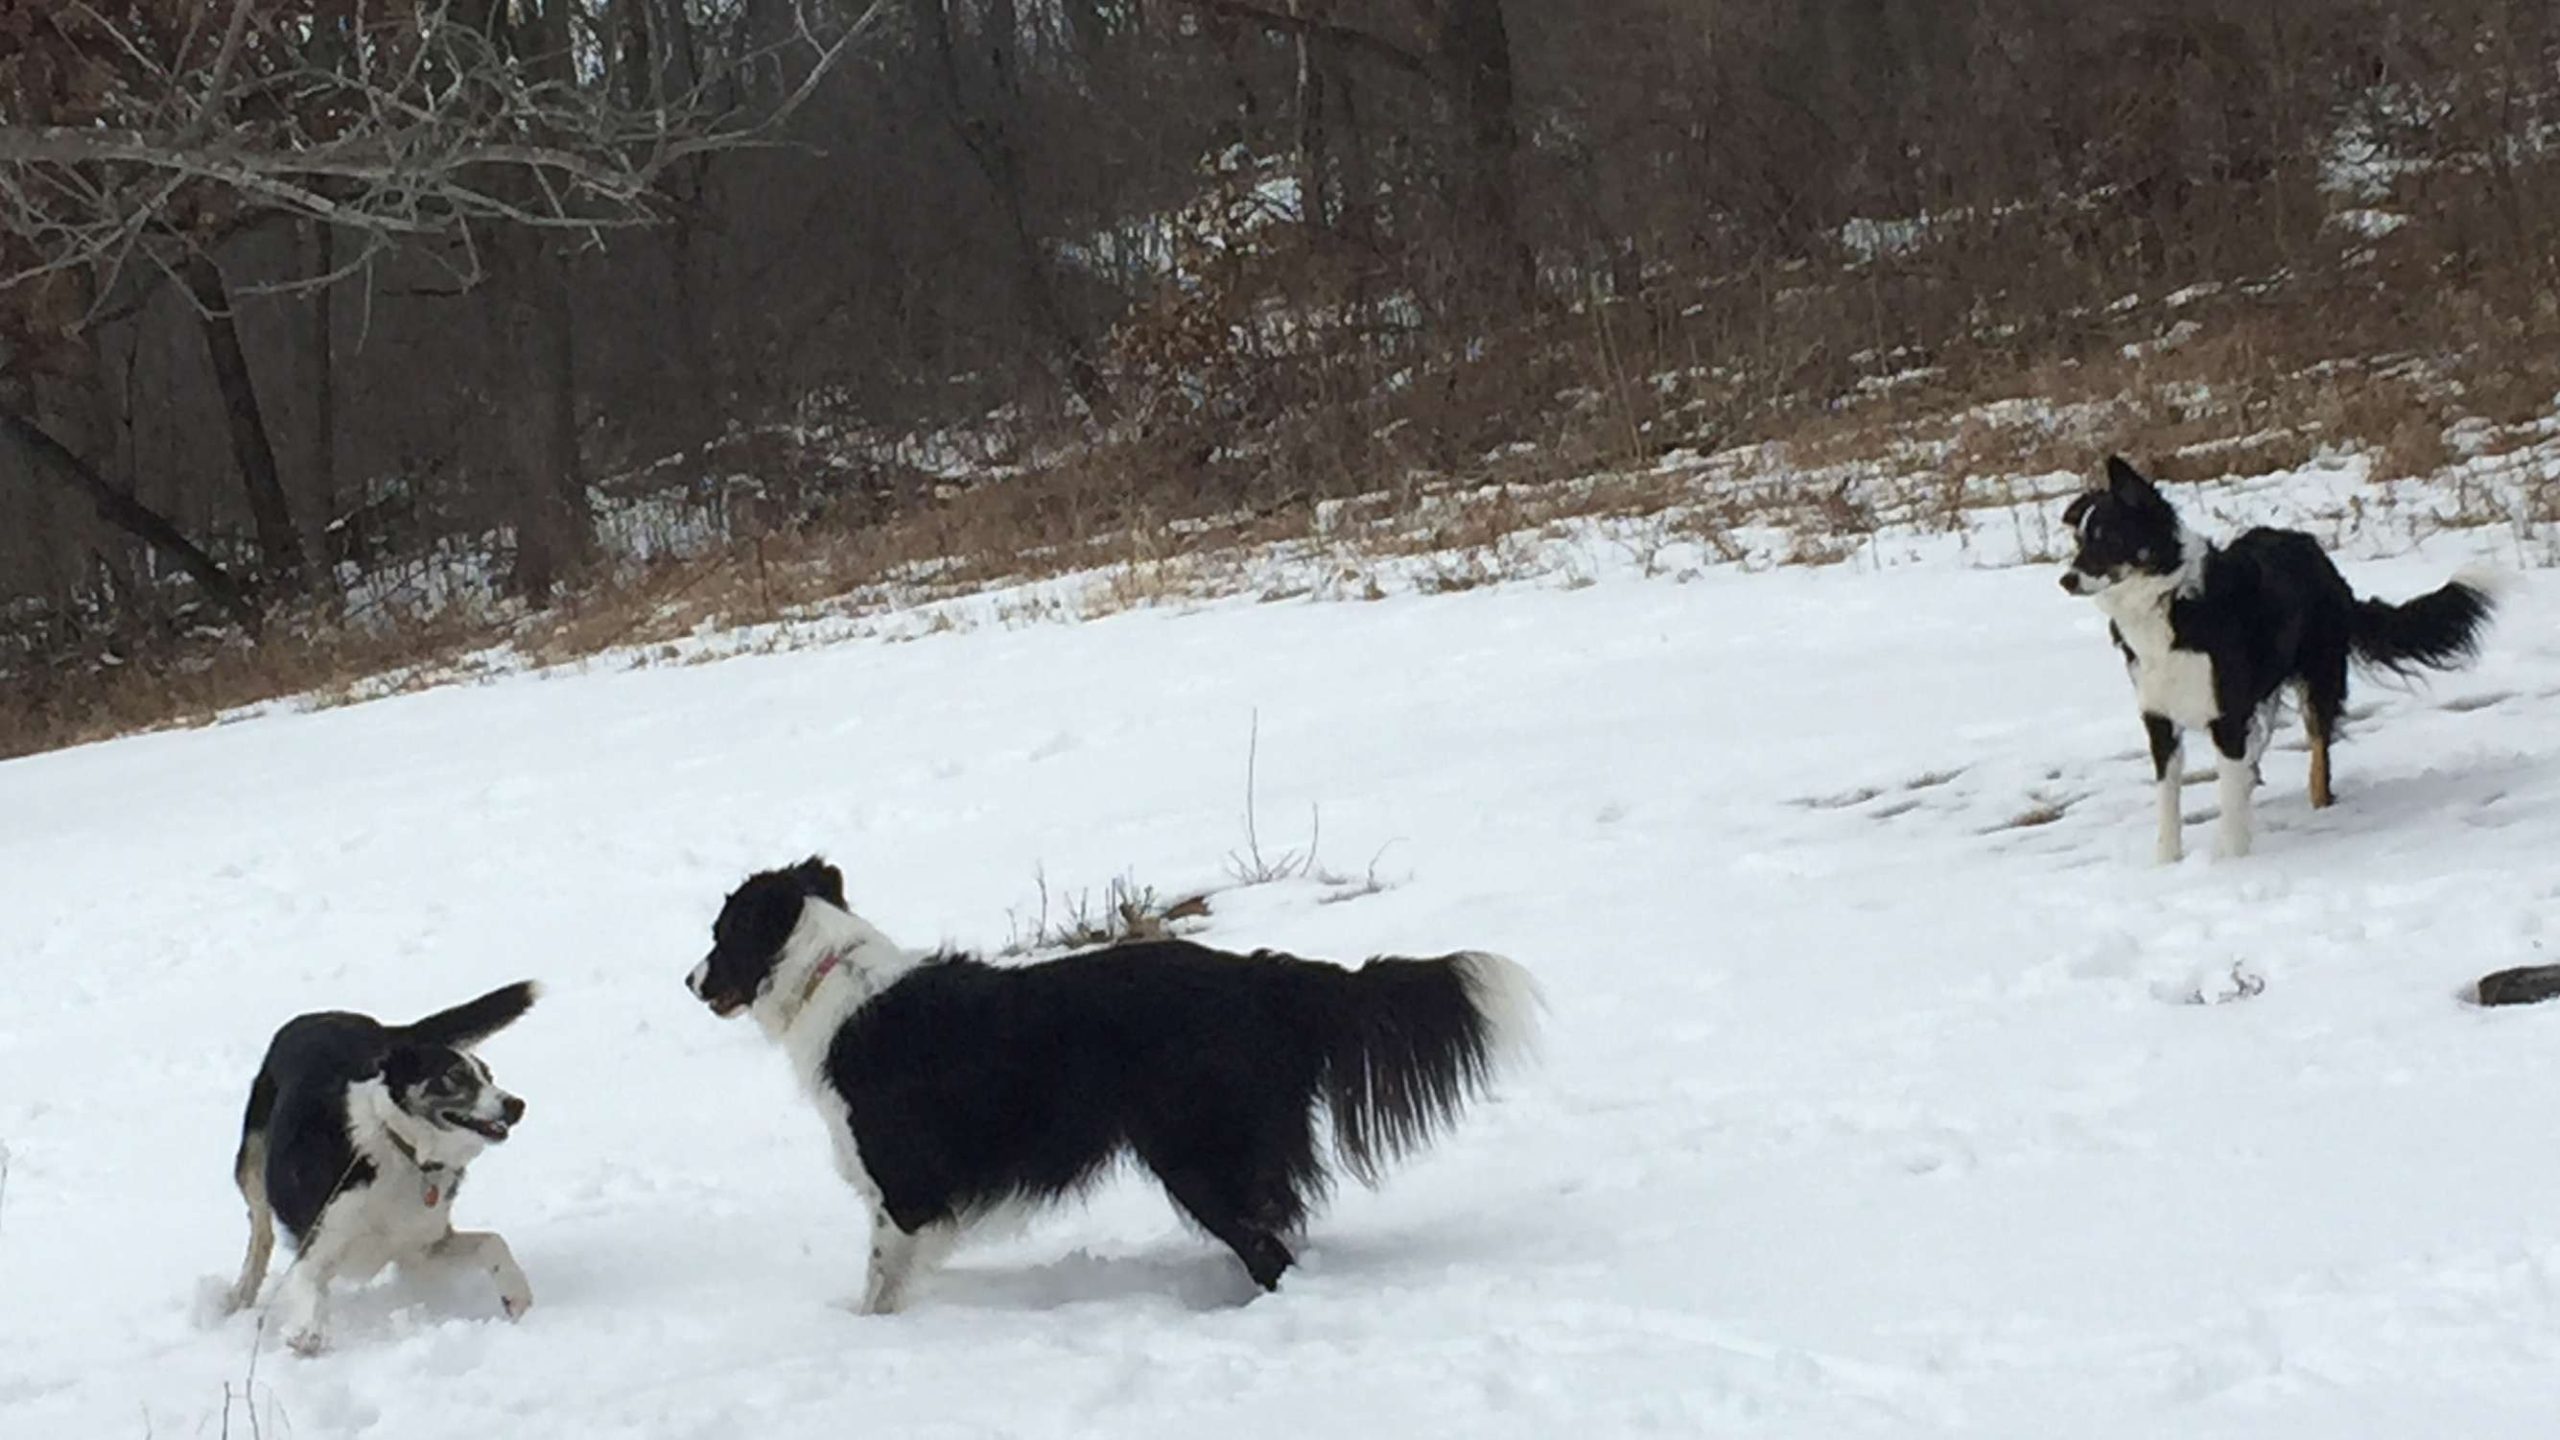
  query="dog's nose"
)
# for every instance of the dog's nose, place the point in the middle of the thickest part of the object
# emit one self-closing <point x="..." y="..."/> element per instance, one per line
<point x="514" y="1109"/>
<point x="2071" y="581"/>
<point x="693" y="982"/>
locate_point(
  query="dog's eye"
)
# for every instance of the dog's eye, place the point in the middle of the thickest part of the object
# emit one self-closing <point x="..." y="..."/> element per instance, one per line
<point x="443" y="1085"/>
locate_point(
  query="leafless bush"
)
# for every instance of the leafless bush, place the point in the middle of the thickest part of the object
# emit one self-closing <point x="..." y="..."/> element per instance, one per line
<point x="1125" y="911"/>
<point x="1251" y="865"/>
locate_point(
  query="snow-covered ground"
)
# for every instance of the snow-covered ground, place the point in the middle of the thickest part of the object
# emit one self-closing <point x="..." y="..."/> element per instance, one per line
<point x="1868" y="1107"/>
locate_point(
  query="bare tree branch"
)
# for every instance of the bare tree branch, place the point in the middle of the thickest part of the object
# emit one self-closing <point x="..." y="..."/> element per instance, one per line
<point x="1317" y="28"/>
<point x="218" y="88"/>
<point x="48" y="456"/>
<point x="407" y="141"/>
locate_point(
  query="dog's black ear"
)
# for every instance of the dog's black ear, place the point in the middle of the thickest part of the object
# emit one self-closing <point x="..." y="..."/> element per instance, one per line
<point x="2078" y="507"/>
<point x="2127" y="482"/>
<point x="824" y="881"/>
<point x="403" y="1066"/>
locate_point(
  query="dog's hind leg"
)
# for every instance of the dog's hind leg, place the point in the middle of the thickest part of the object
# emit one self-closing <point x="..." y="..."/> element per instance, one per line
<point x="2321" y="796"/>
<point x="251" y="1172"/>
<point x="2233" y="833"/>
<point x="1224" y="1214"/>
<point x="2324" y="697"/>
<point x="2166" y="744"/>
<point x="486" y="1251"/>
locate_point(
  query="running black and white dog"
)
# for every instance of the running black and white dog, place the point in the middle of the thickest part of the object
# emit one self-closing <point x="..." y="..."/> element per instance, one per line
<point x="2214" y="634"/>
<point x="954" y="1090"/>
<point x="356" y="1138"/>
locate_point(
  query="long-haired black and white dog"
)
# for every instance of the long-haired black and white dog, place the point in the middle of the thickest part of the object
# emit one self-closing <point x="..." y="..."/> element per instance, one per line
<point x="355" y="1139"/>
<point x="954" y="1089"/>
<point x="2214" y="634"/>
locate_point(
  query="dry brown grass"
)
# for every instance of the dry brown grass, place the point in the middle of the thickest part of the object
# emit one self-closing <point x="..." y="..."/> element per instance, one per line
<point x="2229" y="385"/>
<point x="324" y="665"/>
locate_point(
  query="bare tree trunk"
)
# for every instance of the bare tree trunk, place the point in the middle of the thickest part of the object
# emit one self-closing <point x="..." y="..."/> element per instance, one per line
<point x="704" y="362"/>
<point x="286" y="568"/>
<point x="322" y="344"/>
<point x="1315" y="162"/>
<point x="989" y="138"/>
<point x="534" y="381"/>
<point x="1475" y="60"/>
<point x="43" y="455"/>
<point x="536" y="351"/>
<point x="1357" y="206"/>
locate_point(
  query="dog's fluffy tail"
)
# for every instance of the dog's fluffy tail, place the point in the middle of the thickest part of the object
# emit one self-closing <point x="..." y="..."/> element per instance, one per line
<point x="472" y="1021"/>
<point x="249" y="1172"/>
<point x="2436" y="631"/>
<point x="1415" y="1040"/>
<point x="253" y="1127"/>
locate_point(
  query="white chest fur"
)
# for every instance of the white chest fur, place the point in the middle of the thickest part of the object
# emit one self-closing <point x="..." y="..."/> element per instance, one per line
<point x="833" y="963"/>
<point x="807" y="1043"/>
<point x="388" y="1220"/>
<point x="2169" y="682"/>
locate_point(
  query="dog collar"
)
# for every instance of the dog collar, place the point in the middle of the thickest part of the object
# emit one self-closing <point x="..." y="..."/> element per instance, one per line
<point x="431" y="1173"/>
<point x="825" y="967"/>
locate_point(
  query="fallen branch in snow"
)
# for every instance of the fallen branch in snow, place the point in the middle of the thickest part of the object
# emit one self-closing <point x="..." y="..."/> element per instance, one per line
<point x="2523" y="985"/>
<point x="2245" y="984"/>
<point x="1344" y="887"/>
<point x="1127" y="911"/>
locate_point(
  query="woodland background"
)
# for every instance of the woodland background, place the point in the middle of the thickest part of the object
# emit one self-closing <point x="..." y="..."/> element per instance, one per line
<point x="335" y="335"/>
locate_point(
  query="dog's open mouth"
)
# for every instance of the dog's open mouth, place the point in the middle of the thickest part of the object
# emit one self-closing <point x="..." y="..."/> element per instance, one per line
<point x="487" y="1127"/>
<point x="725" y="1008"/>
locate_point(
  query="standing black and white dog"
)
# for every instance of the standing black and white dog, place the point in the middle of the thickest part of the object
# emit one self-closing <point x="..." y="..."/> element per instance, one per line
<point x="2213" y="635"/>
<point x="954" y="1090"/>
<point x="356" y="1138"/>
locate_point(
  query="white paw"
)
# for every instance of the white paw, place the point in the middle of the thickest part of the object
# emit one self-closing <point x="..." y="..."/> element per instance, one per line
<point x="306" y="1343"/>
<point x="217" y="1300"/>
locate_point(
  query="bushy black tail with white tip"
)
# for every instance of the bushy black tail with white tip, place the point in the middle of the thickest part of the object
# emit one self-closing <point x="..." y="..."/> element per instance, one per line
<point x="2436" y="631"/>
<point x="1415" y="1041"/>
<point x="472" y="1021"/>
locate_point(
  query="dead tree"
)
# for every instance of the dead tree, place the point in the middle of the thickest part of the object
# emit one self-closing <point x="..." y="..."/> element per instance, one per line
<point x="144" y="135"/>
<point x="1461" y="49"/>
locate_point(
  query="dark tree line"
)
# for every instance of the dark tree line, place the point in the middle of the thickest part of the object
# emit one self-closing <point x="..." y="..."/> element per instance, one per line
<point x="293" y="292"/>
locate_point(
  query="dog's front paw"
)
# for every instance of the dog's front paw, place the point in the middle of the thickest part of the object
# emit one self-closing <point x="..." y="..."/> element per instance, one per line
<point x="306" y="1343"/>
<point x="217" y="1300"/>
<point x="878" y="1299"/>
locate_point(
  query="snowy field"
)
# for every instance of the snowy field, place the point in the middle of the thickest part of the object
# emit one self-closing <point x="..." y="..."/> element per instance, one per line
<point x="1889" y="1090"/>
